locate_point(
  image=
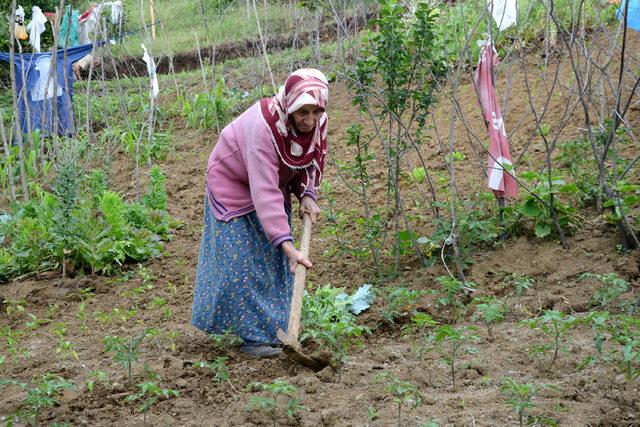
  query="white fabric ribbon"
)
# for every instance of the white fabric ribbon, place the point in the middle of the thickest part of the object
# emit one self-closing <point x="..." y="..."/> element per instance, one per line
<point x="151" y="69"/>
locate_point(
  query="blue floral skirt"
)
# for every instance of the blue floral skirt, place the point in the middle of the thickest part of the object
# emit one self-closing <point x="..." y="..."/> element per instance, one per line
<point x="243" y="283"/>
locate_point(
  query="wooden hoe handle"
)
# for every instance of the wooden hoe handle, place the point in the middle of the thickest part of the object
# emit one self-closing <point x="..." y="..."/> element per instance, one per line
<point x="293" y="330"/>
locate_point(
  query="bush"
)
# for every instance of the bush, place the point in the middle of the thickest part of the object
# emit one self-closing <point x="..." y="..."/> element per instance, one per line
<point x="84" y="225"/>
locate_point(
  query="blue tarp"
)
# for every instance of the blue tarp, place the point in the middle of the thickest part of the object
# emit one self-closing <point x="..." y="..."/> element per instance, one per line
<point x="36" y="98"/>
<point x="633" y="18"/>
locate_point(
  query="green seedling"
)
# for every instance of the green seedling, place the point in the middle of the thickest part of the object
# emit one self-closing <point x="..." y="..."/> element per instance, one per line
<point x="625" y="332"/>
<point x="137" y="291"/>
<point x="97" y="377"/>
<point x="554" y="325"/>
<point x="520" y="395"/>
<point x="326" y="318"/>
<point x="403" y="392"/>
<point x="14" y="306"/>
<point x="34" y="322"/>
<point x="149" y="394"/>
<point x="81" y="315"/>
<point x="170" y="338"/>
<point x="64" y="347"/>
<point x="226" y="340"/>
<point x="430" y="422"/>
<point x="41" y="394"/>
<point x="490" y="310"/>
<point x="421" y="324"/>
<point x="218" y="368"/>
<point x="456" y="338"/>
<point x="453" y="290"/>
<point x="270" y="405"/>
<point x="12" y="339"/>
<point x="123" y="315"/>
<point x="126" y="351"/>
<point x="520" y="282"/>
<point x="401" y="302"/>
<point x="613" y="286"/>
<point x="159" y="304"/>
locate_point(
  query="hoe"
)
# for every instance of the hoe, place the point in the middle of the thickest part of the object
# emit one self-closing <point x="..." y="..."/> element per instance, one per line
<point x="291" y="344"/>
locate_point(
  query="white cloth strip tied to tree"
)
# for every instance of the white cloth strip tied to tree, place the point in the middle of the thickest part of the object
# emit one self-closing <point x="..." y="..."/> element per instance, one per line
<point x="151" y="69"/>
<point x="504" y="12"/>
<point x="36" y="27"/>
<point x="503" y="184"/>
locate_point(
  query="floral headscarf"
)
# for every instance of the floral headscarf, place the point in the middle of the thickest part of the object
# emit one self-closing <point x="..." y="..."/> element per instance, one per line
<point x="306" y="86"/>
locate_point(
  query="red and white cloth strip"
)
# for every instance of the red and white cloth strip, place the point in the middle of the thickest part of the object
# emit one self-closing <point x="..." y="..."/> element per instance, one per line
<point x="499" y="167"/>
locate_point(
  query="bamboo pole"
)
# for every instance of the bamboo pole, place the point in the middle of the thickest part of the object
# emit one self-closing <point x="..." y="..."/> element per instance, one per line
<point x="152" y="12"/>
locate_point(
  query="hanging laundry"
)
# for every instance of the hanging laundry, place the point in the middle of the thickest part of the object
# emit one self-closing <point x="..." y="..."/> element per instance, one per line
<point x="151" y="69"/>
<point x="633" y="16"/>
<point x="116" y="12"/>
<point x="36" y="96"/>
<point x="503" y="184"/>
<point x="88" y="22"/>
<point x="19" y="31"/>
<point x="68" y="36"/>
<point x="504" y="12"/>
<point x="36" y="27"/>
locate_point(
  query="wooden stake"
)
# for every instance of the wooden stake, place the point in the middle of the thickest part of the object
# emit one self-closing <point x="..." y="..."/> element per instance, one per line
<point x="152" y="11"/>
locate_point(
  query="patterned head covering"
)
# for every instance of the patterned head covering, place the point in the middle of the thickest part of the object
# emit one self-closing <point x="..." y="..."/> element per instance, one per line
<point x="306" y="86"/>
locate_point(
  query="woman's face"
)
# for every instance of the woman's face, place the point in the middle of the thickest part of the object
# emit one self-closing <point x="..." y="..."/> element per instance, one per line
<point x="306" y="117"/>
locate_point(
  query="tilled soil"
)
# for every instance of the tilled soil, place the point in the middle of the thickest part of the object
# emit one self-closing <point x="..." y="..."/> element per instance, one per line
<point x="595" y="395"/>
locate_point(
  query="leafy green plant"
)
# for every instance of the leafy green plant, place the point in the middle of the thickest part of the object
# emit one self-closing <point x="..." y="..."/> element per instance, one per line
<point x="625" y="332"/>
<point x="12" y="338"/>
<point x="226" y="340"/>
<point x="456" y="338"/>
<point x="97" y="377"/>
<point x="126" y="351"/>
<point x="421" y="323"/>
<point x="520" y="395"/>
<point x="401" y="302"/>
<point x="403" y="392"/>
<point x="537" y="204"/>
<point x="208" y="109"/>
<point x="64" y="347"/>
<point x="555" y="325"/>
<point x="218" y="368"/>
<point x="520" y="282"/>
<point x="613" y="286"/>
<point x="490" y="310"/>
<point x="34" y="322"/>
<point x="270" y="405"/>
<point x="453" y="289"/>
<point x="41" y="394"/>
<point x="149" y="394"/>
<point x="82" y="225"/>
<point x="325" y="317"/>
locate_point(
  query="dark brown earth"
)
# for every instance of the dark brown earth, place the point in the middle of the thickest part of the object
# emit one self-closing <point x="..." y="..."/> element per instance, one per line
<point x="597" y="395"/>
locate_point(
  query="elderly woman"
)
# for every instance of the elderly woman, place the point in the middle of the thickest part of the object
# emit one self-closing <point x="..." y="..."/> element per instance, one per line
<point x="277" y="147"/>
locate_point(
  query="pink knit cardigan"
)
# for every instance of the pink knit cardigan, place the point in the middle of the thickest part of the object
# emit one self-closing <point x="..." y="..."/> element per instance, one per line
<point x="245" y="174"/>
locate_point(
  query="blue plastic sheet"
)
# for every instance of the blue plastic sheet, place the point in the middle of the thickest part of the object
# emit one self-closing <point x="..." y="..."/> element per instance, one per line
<point x="633" y="17"/>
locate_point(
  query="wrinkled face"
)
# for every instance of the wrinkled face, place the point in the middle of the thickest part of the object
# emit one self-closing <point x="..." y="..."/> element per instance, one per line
<point x="306" y="117"/>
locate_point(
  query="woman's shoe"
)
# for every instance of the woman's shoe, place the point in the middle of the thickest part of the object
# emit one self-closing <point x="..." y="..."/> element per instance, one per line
<point x="260" y="350"/>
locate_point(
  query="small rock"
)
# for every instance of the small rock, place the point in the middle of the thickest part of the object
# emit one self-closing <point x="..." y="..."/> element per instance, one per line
<point x="620" y="379"/>
<point x="327" y="375"/>
<point x="429" y="400"/>
<point x="182" y="383"/>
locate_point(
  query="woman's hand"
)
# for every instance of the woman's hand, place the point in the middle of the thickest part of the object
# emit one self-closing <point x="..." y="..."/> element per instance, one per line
<point x="308" y="205"/>
<point x="295" y="256"/>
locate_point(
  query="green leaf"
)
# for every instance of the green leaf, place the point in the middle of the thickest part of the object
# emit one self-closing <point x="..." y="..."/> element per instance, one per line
<point x="542" y="230"/>
<point x="531" y="209"/>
